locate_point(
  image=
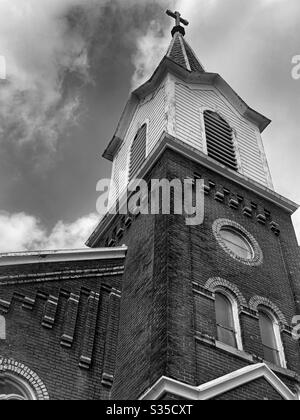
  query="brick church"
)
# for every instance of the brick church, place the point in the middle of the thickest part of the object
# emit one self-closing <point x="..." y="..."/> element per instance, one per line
<point x="155" y="309"/>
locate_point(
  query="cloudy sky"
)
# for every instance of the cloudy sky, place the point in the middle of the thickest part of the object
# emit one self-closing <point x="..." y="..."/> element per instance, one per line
<point x="70" y="67"/>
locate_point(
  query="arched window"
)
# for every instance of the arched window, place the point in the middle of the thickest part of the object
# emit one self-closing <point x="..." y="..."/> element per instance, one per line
<point x="12" y="388"/>
<point x="271" y="339"/>
<point x="228" y="325"/>
<point x="138" y="151"/>
<point x="2" y="328"/>
<point x="219" y="139"/>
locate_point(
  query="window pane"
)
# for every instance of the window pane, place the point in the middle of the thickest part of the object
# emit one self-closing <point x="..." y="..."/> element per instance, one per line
<point x="225" y="321"/>
<point x="271" y="355"/>
<point x="227" y="337"/>
<point x="224" y="312"/>
<point x="271" y="351"/>
<point x="236" y="243"/>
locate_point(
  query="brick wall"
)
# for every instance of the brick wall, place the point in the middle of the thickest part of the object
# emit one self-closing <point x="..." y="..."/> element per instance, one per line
<point x="160" y="312"/>
<point x="256" y="390"/>
<point x="63" y="326"/>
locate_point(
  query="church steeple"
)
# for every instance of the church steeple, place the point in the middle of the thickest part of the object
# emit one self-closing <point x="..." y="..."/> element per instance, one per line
<point x="180" y="51"/>
<point x="196" y="112"/>
<point x="200" y="299"/>
<point x="182" y="54"/>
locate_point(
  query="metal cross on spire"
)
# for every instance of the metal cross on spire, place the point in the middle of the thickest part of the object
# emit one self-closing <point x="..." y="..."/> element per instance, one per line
<point x="178" y="20"/>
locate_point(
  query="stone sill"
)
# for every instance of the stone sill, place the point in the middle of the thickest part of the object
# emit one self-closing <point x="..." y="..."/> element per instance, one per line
<point x="253" y="359"/>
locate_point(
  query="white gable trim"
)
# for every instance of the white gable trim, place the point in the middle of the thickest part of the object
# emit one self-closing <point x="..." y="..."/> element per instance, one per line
<point x="219" y="386"/>
<point x="64" y="255"/>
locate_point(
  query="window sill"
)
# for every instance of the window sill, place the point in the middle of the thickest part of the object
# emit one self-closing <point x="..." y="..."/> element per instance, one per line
<point x="283" y="371"/>
<point x="235" y="352"/>
<point x="253" y="359"/>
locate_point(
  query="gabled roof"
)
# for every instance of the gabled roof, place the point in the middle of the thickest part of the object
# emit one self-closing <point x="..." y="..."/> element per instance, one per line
<point x="219" y="386"/>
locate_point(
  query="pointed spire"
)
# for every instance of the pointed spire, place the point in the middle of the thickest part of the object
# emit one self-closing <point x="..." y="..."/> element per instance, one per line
<point x="182" y="54"/>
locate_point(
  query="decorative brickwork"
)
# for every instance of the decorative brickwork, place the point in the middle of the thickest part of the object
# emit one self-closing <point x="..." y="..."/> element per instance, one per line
<point x="258" y="255"/>
<point x="70" y="321"/>
<point x="257" y="301"/>
<point x="90" y="331"/>
<point x="69" y="302"/>
<point x="19" y="370"/>
<point x="217" y="283"/>
<point x="50" y="312"/>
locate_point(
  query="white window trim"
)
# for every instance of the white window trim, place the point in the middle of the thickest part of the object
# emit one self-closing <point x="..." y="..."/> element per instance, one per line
<point x="236" y="316"/>
<point x="278" y="338"/>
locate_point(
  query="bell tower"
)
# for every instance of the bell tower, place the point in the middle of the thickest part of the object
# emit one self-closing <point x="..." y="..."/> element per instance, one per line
<point x="206" y="311"/>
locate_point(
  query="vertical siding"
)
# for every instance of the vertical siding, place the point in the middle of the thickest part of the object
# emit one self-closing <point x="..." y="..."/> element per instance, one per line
<point x="152" y="111"/>
<point x="189" y="101"/>
<point x="188" y="121"/>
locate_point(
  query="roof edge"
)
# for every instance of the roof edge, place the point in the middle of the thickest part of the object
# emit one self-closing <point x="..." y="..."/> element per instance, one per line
<point x="38" y="257"/>
<point x="126" y="116"/>
<point x="205" y="78"/>
<point x="169" y="142"/>
<point x="219" y="386"/>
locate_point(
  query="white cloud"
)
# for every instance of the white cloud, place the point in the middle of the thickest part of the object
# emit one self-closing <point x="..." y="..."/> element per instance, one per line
<point x="151" y="47"/>
<point x="39" y="47"/>
<point x="21" y="232"/>
<point x="72" y="235"/>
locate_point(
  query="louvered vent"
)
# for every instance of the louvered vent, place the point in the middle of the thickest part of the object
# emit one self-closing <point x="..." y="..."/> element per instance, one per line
<point x="219" y="136"/>
<point x="138" y="151"/>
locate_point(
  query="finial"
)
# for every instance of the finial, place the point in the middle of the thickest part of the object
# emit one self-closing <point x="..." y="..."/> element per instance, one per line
<point x="178" y="20"/>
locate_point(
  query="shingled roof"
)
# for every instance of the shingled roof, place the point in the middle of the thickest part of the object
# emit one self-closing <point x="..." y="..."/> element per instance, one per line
<point x="182" y="54"/>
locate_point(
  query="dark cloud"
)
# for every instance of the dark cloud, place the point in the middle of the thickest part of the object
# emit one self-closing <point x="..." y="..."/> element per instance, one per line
<point x="71" y="69"/>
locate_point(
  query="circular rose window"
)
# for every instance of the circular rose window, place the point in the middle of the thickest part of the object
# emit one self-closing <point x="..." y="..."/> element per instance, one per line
<point x="237" y="242"/>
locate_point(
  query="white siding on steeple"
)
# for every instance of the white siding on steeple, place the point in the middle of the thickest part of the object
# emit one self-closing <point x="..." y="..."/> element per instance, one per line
<point x="151" y="111"/>
<point x="191" y="100"/>
<point x="178" y="109"/>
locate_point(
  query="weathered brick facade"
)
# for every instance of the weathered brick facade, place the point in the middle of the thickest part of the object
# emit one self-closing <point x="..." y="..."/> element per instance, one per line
<point x="62" y="321"/>
<point x="168" y="325"/>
